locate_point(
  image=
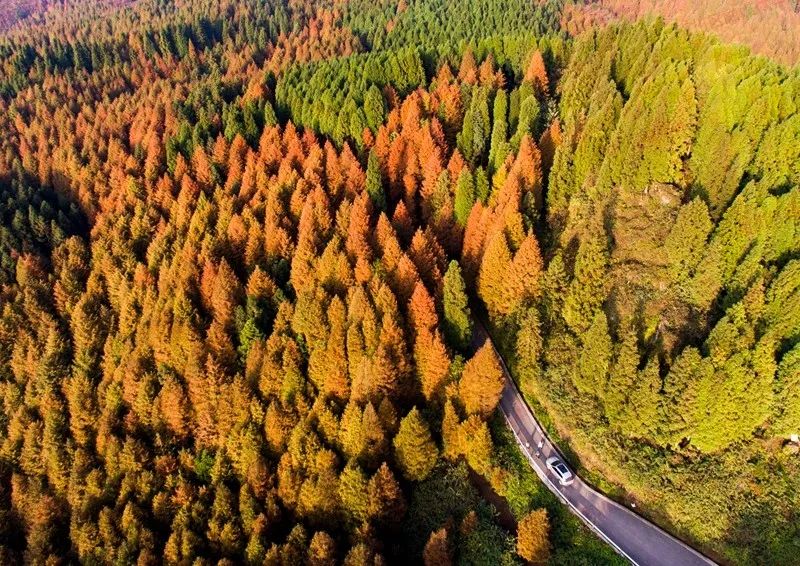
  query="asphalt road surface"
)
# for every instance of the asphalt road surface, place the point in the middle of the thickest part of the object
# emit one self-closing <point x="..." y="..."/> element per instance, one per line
<point x="635" y="538"/>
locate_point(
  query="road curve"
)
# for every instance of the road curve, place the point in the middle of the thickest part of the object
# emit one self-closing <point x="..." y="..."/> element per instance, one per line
<point x="638" y="540"/>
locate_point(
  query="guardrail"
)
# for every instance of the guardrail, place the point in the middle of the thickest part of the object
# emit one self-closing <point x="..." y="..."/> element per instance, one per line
<point x="542" y="473"/>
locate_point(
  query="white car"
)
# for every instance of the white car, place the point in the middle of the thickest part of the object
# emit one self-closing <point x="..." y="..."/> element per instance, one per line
<point x="560" y="470"/>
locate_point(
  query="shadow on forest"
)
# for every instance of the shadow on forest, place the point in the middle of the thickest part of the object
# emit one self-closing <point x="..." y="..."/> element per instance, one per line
<point x="34" y="219"/>
<point x="768" y="537"/>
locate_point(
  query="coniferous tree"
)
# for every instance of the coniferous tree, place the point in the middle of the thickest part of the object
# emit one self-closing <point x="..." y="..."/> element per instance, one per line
<point x="536" y="73"/>
<point x="322" y="550"/>
<point x="331" y="177"/>
<point x="494" y="286"/>
<point x="414" y="449"/>
<point x="529" y="347"/>
<point x="533" y="542"/>
<point x="437" y="550"/>
<point x="386" y="502"/>
<point x="375" y="182"/>
<point x="353" y="492"/>
<point x="457" y="316"/>
<point x="595" y="358"/>
<point x="433" y="363"/>
<point x="465" y="196"/>
<point x="482" y="381"/>
<point x="585" y="294"/>
<point x="499" y="148"/>
<point x="687" y="239"/>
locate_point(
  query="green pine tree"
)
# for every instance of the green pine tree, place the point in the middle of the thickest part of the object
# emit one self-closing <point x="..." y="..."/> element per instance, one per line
<point x="414" y="449"/>
<point x="586" y="291"/>
<point x="465" y="196"/>
<point x="457" y="316"/>
<point x="375" y="182"/>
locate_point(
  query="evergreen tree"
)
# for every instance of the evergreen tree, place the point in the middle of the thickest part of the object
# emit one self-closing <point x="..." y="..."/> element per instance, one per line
<point x="585" y="294"/>
<point x="481" y="186"/>
<point x="687" y="240"/>
<point x="528" y="348"/>
<point x="528" y="122"/>
<point x="374" y="108"/>
<point x="414" y="449"/>
<point x="375" y="182"/>
<point x="595" y="358"/>
<point x="465" y="196"/>
<point x="457" y="316"/>
<point x="788" y="378"/>
<point x="499" y="148"/>
<point x="623" y="375"/>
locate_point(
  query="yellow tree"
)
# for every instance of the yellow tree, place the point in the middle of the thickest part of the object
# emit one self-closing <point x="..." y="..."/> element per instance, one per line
<point x="432" y="363"/>
<point x="528" y="268"/>
<point x="482" y="382"/>
<point x="477" y="446"/>
<point x="322" y="550"/>
<point x="494" y="286"/>
<point x="451" y="437"/>
<point x="533" y="537"/>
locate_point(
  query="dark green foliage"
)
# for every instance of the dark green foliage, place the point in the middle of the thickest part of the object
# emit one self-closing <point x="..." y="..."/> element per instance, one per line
<point x="32" y="220"/>
<point x="375" y="182"/>
<point x="499" y="148"/>
<point x="448" y="497"/>
<point x="457" y="315"/>
<point x="476" y="128"/>
<point x="331" y="92"/>
<point x="528" y="120"/>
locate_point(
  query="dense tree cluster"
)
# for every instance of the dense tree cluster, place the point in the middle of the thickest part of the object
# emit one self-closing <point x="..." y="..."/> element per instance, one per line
<point x="235" y="313"/>
<point x="768" y="28"/>
<point x="668" y="325"/>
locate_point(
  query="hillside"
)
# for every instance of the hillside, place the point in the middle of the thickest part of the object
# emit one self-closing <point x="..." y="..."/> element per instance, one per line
<point x="14" y="11"/>
<point x="768" y="27"/>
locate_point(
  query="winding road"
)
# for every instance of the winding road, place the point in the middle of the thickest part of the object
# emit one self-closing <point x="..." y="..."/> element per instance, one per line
<point x="638" y="540"/>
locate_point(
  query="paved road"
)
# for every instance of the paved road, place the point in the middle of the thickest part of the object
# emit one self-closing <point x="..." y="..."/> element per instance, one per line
<point x="635" y="538"/>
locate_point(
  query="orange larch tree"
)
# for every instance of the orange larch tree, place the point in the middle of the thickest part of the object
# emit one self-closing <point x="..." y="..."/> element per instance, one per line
<point x="482" y="382"/>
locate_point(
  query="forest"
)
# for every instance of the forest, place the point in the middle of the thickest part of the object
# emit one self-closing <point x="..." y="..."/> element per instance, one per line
<point x="244" y="247"/>
<point x="768" y="27"/>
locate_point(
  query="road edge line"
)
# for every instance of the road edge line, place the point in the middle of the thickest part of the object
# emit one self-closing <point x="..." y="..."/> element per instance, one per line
<point x="546" y="480"/>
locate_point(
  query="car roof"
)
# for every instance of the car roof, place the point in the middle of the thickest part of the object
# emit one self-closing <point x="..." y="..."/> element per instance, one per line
<point x="561" y="467"/>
